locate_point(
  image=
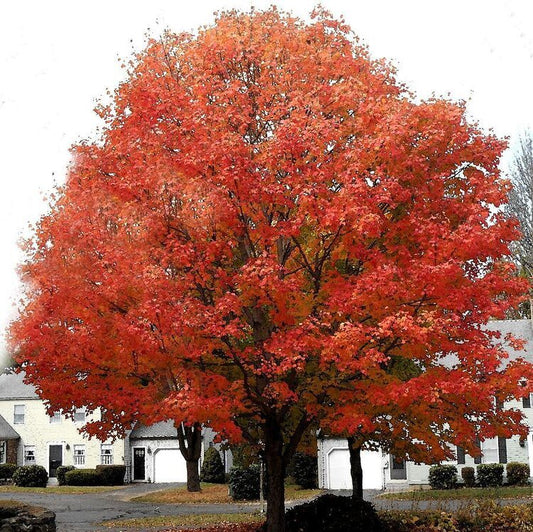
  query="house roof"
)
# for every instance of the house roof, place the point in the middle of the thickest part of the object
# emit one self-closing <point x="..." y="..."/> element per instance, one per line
<point x="519" y="329"/>
<point x="12" y="386"/>
<point x="7" y="432"/>
<point x="163" y="429"/>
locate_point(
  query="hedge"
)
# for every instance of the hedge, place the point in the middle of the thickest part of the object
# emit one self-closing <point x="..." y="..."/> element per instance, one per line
<point x="490" y="475"/>
<point x="517" y="474"/>
<point x="443" y="477"/>
<point x="244" y="483"/>
<point x="111" y="475"/>
<point x="61" y="472"/>
<point x="303" y="469"/>
<point x="34" y="476"/>
<point x="83" y="477"/>
<point x="7" y="470"/>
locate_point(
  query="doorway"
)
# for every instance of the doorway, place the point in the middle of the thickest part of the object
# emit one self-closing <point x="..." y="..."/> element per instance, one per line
<point x="55" y="459"/>
<point x="139" y="470"/>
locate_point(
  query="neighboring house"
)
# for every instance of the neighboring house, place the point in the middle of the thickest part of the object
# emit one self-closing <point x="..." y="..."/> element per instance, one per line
<point x="28" y="435"/>
<point x="382" y="471"/>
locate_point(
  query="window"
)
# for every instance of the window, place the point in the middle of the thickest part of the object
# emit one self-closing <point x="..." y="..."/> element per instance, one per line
<point x="55" y="417"/>
<point x="79" y="455"/>
<point x="2" y="452"/>
<point x="398" y="470"/>
<point x="29" y="455"/>
<point x="79" y="415"/>
<point x="106" y="454"/>
<point x="18" y="414"/>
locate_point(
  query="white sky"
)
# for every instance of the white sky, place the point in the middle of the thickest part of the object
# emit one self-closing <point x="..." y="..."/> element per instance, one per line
<point x="58" y="57"/>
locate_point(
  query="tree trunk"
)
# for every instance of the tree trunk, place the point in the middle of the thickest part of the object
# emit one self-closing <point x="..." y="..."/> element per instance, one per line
<point x="193" y="477"/>
<point x="356" y="470"/>
<point x="190" y="439"/>
<point x="275" y="469"/>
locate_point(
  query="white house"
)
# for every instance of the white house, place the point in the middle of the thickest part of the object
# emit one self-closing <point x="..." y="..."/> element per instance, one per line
<point x="28" y="435"/>
<point x="384" y="471"/>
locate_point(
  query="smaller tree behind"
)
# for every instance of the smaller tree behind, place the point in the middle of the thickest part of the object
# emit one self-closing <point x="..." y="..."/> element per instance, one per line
<point x="212" y="468"/>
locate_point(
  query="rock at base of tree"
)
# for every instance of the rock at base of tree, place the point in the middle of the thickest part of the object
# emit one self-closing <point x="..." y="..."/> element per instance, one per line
<point x="15" y="517"/>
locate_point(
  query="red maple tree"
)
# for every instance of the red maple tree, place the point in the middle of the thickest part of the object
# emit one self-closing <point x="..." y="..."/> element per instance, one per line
<point x="267" y="231"/>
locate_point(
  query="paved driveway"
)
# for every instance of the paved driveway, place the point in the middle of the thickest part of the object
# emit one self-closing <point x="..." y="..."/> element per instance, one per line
<point x="83" y="512"/>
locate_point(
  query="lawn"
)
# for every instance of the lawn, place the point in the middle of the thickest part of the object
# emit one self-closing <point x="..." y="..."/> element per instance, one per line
<point x="503" y="492"/>
<point x="213" y="494"/>
<point x="190" y="520"/>
<point x="59" y="489"/>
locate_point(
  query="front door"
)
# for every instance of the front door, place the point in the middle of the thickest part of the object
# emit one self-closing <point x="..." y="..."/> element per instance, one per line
<point x="55" y="457"/>
<point x="138" y="463"/>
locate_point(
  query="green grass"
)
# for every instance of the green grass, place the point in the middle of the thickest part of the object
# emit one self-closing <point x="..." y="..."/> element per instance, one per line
<point x="212" y="494"/>
<point x="192" y="520"/>
<point x="507" y="492"/>
<point x="60" y="489"/>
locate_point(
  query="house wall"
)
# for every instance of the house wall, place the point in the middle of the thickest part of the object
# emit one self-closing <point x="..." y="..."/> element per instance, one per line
<point x="37" y="430"/>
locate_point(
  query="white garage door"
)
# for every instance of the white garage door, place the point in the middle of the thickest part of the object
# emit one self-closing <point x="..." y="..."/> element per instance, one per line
<point x="169" y="466"/>
<point x="339" y="477"/>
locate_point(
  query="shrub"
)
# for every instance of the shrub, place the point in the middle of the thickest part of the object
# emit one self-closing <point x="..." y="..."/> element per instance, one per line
<point x="60" y="473"/>
<point x="490" y="475"/>
<point x="244" y="483"/>
<point x="332" y="513"/>
<point x="212" y="468"/>
<point x="443" y="477"/>
<point x="7" y="470"/>
<point x="468" y="475"/>
<point x="304" y="470"/>
<point x="111" y="475"/>
<point x="83" y="477"/>
<point x="517" y="474"/>
<point x="33" y="476"/>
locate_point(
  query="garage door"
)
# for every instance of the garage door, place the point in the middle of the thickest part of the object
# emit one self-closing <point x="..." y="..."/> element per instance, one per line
<point x="169" y="466"/>
<point x="339" y="477"/>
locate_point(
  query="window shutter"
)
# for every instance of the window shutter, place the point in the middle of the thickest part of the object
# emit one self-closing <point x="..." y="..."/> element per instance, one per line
<point x="502" y="450"/>
<point x="477" y="459"/>
<point x="460" y="455"/>
<point x="526" y="401"/>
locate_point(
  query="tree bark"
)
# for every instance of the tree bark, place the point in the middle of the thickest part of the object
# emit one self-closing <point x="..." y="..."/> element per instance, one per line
<point x="356" y="470"/>
<point x="275" y="468"/>
<point x="190" y="439"/>
<point x="193" y="477"/>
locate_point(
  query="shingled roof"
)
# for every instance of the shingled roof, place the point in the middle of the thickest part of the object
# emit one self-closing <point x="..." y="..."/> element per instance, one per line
<point x="7" y="432"/>
<point x="12" y="386"/>
<point x="163" y="429"/>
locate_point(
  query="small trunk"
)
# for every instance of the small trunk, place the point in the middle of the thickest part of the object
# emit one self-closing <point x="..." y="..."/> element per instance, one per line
<point x="190" y="439"/>
<point x="356" y="470"/>
<point x="193" y="477"/>
<point x="275" y="469"/>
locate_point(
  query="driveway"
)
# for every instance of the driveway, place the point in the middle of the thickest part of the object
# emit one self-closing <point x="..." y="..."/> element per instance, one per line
<point x="83" y="512"/>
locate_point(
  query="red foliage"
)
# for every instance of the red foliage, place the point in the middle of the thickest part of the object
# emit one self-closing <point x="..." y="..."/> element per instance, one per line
<point x="271" y="233"/>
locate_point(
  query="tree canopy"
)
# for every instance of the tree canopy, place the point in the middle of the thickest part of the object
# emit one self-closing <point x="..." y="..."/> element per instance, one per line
<point x="272" y="232"/>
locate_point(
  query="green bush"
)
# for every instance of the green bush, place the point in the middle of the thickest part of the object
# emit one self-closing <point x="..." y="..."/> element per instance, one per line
<point x="517" y="474"/>
<point x="468" y="475"/>
<point x="303" y="469"/>
<point x="83" y="477"/>
<point x="33" y="476"/>
<point x="244" y="483"/>
<point x="60" y="473"/>
<point x="111" y="475"/>
<point x="212" y="467"/>
<point x="443" y="477"/>
<point x="490" y="475"/>
<point x="332" y="513"/>
<point x="7" y="470"/>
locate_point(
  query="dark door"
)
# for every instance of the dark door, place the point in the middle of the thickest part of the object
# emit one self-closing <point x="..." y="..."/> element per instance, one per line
<point x="138" y="463"/>
<point x="55" y="454"/>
